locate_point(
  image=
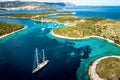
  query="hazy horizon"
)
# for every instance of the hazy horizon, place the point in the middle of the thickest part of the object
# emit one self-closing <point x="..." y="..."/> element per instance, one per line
<point x="79" y="2"/>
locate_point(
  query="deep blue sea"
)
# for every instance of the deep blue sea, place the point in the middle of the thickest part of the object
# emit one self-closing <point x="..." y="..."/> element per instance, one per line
<point x="69" y="59"/>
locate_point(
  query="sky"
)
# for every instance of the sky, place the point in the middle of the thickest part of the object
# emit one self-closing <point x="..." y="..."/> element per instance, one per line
<point x="82" y="2"/>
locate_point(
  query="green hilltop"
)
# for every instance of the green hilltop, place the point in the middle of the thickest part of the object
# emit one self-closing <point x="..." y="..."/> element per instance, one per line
<point x="84" y="27"/>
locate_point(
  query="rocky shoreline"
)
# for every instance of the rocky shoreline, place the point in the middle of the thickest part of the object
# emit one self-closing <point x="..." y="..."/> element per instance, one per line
<point x="72" y="38"/>
<point x="92" y="68"/>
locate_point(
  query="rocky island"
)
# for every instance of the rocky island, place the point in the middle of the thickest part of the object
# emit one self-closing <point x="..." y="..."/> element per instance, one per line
<point x="105" y="68"/>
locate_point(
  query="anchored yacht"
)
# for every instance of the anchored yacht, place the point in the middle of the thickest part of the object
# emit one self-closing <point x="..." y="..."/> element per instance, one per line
<point x="42" y="64"/>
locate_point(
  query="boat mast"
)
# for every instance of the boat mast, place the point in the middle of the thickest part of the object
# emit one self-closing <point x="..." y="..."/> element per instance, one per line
<point x="37" y="57"/>
<point x="43" y="55"/>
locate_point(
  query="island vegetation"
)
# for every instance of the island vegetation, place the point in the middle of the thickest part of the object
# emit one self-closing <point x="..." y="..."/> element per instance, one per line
<point x="109" y="68"/>
<point x="6" y="28"/>
<point x="85" y="27"/>
<point x="105" y="68"/>
<point x="2" y="9"/>
<point x="78" y="27"/>
<point x="42" y="14"/>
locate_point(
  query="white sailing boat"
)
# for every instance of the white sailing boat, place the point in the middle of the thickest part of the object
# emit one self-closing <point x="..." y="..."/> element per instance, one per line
<point x="42" y="64"/>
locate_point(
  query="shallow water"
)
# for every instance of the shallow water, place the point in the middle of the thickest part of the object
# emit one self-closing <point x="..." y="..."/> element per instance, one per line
<point x="17" y="53"/>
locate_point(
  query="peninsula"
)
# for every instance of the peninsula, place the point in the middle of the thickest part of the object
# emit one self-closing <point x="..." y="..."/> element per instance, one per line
<point x="7" y="29"/>
<point x="39" y="15"/>
<point x="81" y="28"/>
<point x="105" y="68"/>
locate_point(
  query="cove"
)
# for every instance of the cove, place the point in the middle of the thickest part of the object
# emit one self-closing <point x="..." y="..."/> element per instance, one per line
<point x="17" y="53"/>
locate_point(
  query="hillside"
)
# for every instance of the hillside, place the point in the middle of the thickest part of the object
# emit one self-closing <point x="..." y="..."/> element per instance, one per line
<point x="6" y="28"/>
<point x="84" y="27"/>
<point x="16" y="5"/>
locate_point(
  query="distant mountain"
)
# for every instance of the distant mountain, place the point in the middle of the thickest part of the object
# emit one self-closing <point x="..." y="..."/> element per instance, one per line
<point x="67" y="4"/>
<point x="10" y="4"/>
<point x="32" y="5"/>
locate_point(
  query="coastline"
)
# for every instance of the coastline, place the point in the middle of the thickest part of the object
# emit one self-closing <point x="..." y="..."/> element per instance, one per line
<point x="13" y="17"/>
<point x="31" y="19"/>
<point x="72" y="38"/>
<point x="40" y="20"/>
<point x="92" y="68"/>
<point x="5" y="35"/>
<point x="59" y="36"/>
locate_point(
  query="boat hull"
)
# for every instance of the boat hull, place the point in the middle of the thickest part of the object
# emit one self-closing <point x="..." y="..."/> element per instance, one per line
<point x="40" y="66"/>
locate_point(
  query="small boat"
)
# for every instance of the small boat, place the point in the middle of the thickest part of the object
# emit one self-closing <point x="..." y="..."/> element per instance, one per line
<point x="42" y="64"/>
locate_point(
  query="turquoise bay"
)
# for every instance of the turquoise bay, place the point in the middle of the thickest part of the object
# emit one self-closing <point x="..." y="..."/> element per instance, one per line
<point x="69" y="60"/>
